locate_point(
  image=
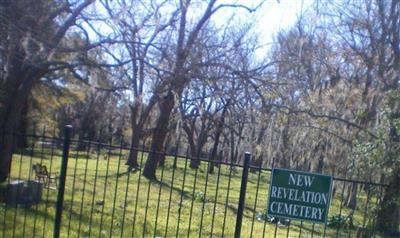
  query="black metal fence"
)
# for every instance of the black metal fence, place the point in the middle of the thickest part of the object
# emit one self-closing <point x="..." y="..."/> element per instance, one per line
<point x="89" y="192"/>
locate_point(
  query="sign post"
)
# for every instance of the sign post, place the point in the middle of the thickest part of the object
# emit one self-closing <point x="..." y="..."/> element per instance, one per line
<point x="299" y="195"/>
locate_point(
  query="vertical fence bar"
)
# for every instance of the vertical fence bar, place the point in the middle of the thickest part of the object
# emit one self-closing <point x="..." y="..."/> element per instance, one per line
<point x="215" y="199"/>
<point x="171" y="189"/>
<point x="227" y="197"/>
<point x="174" y="167"/>
<point x="205" y="198"/>
<point x="341" y="208"/>
<point x="18" y="192"/>
<point x="288" y="230"/>
<point x="105" y="187"/>
<point x="84" y="186"/>
<point x="29" y="177"/>
<point x="193" y="198"/>
<point x="51" y="169"/>
<point x="366" y="207"/>
<point x="333" y="197"/>
<point x="8" y="182"/>
<point x="45" y="218"/>
<point x="125" y="199"/>
<point x="242" y="197"/>
<point x="301" y="228"/>
<point x="378" y="201"/>
<point x="159" y="195"/>
<point x="5" y="208"/>
<point x="60" y="197"/>
<point x="147" y="207"/>
<point x="255" y="199"/>
<point x="182" y="192"/>
<point x="116" y="189"/>
<point x="73" y="190"/>
<point x="137" y="190"/>
<point x="96" y="171"/>
<point x="312" y="230"/>
<point x="43" y="141"/>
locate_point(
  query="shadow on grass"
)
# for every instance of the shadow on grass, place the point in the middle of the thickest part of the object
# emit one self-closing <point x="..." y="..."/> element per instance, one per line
<point x="184" y="194"/>
<point x="119" y="175"/>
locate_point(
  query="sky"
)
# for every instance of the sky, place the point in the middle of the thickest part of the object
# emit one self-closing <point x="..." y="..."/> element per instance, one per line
<point x="272" y="16"/>
<point x="275" y="15"/>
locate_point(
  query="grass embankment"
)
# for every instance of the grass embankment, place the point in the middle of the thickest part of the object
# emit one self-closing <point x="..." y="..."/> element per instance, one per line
<point x="103" y="200"/>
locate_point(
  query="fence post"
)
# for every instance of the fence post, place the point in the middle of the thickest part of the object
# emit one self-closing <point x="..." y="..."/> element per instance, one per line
<point x="61" y="188"/>
<point x="242" y="197"/>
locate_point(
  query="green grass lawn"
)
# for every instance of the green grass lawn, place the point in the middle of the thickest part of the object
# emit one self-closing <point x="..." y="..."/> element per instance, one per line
<point x="103" y="200"/>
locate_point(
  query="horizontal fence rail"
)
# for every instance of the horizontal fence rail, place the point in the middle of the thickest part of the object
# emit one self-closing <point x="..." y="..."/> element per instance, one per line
<point x="103" y="197"/>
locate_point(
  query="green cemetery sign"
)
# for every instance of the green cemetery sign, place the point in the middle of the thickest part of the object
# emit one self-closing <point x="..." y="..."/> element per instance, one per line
<point x="299" y="195"/>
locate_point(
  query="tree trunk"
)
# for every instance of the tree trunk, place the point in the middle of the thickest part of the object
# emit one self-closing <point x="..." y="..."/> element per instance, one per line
<point x="22" y="139"/>
<point x="6" y="149"/>
<point x="258" y="156"/>
<point x="9" y="121"/>
<point x="232" y="146"/>
<point x="256" y="162"/>
<point x="352" y="197"/>
<point x="132" y="161"/>
<point x="170" y="149"/>
<point x="194" y="162"/>
<point x="10" y="114"/>
<point x="218" y="132"/>
<point x="160" y="132"/>
<point x="388" y="220"/>
<point x="285" y="155"/>
<point x="320" y="164"/>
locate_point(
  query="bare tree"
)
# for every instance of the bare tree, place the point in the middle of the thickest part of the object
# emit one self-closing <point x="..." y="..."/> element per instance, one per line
<point x="197" y="117"/>
<point x="370" y="33"/>
<point x="179" y="79"/>
<point x="143" y="39"/>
